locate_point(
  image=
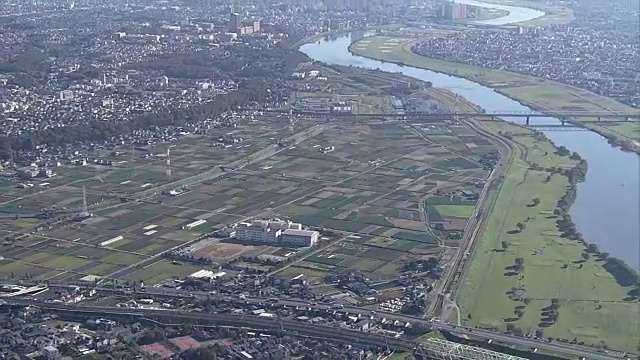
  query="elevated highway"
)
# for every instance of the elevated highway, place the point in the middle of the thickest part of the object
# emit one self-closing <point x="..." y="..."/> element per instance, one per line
<point x="250" y="321"/>
<point x="345" y="335"/>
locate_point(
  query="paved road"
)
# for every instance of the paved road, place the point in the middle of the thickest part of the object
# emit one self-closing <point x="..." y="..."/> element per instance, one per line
<point x="344" y="335"/>
<point x="569" y="349"/>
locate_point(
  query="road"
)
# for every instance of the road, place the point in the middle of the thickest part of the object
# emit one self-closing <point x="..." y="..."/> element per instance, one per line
<point x="480" y="334"/>
<point x="349" y="336"/>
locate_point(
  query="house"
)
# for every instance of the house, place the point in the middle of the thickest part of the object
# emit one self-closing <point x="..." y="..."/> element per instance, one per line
<point x="50" y="352"/>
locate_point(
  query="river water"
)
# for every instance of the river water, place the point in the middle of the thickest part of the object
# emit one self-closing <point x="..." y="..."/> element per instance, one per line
<point x="515" y="15"/>
<point x="607" y="207"/>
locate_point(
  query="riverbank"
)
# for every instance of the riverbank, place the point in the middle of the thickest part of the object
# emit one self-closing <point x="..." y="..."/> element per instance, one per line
<point x="536" y="179"/>
<point x="595" y="210"/>
<point x="542" y="95"/>
<point x="522" y="262"/>
<point x="553" y="14"/>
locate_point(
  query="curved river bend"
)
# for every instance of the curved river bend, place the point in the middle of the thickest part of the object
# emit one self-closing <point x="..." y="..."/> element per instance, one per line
<point x="607" y="207"/>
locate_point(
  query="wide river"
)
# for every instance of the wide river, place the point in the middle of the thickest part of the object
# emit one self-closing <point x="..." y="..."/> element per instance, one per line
<point x="607" y="207"/>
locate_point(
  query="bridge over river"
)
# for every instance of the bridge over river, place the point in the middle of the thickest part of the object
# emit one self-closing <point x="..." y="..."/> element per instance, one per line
<point x="584" y="116"/>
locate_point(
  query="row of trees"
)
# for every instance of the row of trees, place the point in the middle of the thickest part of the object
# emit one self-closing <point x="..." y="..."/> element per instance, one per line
<point x="624" y="275"/>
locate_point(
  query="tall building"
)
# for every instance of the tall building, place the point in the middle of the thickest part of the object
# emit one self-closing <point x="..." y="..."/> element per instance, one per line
<point x="234" y="22"/>
<point x="454" y="11"/>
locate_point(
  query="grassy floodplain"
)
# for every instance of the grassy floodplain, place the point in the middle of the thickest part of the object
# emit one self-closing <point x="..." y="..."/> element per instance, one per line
<point x="592" y="309"/>
<point x="534" y="92"/>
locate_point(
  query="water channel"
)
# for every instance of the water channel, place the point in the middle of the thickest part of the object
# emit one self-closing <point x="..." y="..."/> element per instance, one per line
<point x="607" y="207"/>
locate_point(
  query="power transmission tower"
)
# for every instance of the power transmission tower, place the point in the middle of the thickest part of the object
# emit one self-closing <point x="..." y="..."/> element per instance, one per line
<point x="168" y="169"/>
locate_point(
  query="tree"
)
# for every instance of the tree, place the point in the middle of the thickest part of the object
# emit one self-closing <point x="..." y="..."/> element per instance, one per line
<point x="585" y="256"/>
<point x="505" y="245"/>
<point x="199" y="354"/>
<point x="519" y="261"/>
<point x="535" y="201"/>
<point x="521" y="226"/>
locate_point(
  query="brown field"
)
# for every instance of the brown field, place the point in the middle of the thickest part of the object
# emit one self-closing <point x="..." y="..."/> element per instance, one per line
<point x="371" y="186"/>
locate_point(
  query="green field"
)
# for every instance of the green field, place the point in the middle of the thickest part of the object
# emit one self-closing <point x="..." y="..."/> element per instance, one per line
<point x="160" y="271"/>
<point x="591" y="306"/>
<point x="535" y="92"/>
<point x="462" y="211"/>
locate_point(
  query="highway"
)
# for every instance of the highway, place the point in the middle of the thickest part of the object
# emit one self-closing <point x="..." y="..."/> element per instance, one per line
<point x="623" y="116"/>
<point x="305" y="328"/>
<point x="344" y="335"/>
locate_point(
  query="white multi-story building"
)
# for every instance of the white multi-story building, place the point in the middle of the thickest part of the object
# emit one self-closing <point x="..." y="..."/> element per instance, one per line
<point x="260" y="234"/>
<point x="272" y="232"/>
<point x="298" y="238"/>
<point x="277" y="224"/>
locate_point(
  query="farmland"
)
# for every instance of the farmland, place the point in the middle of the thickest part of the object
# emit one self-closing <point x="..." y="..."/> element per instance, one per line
<point x="120" y="234"/>
<point x="374" y="186"/>
<point x="382" y="194"/>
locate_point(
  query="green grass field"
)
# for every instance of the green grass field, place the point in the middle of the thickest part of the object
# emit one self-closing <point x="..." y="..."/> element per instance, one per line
<point x="591" y="306"/>
<point x="401" y="356"/>
<point x="160" y="271"/>
<point x="535" y="92"/>
<point x="462" y="211"/>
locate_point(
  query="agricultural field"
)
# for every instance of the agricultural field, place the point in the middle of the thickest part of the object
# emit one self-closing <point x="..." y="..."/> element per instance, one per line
<point x="361" y="91"/>
<point x="374" y="185"/>
<point x="383" y="187"/>
<point x="120" y="234"/>
<point x="137" y="169"/>
<point x="379" y="258"/>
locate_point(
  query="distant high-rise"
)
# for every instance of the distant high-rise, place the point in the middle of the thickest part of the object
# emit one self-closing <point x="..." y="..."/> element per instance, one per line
<point x="234" y="22"/>
<point x="454" y="11"/>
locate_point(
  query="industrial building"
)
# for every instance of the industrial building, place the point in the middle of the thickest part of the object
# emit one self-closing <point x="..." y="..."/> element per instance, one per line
<point x="207" y="274"/>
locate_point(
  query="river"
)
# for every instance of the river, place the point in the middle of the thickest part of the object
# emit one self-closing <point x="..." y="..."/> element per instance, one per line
<point x="607" y="207"/>
<point x="515" y="14"/>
